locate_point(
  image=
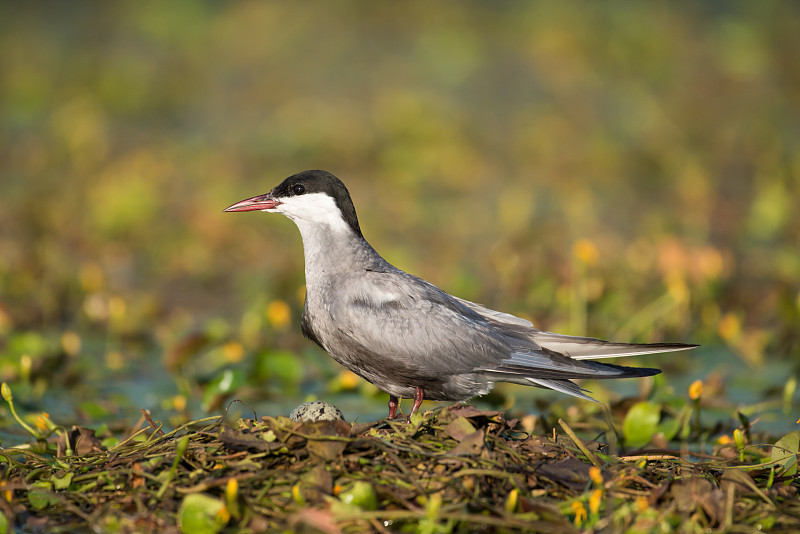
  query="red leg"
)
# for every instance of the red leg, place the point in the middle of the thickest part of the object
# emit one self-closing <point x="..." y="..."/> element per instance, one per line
<point x="394" y="402"/>
<point x="418" y="394"/>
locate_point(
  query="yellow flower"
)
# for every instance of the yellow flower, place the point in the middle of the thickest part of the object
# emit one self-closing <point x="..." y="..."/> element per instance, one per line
<point x="696" y="390"/>
<point x="511" y="502"/>
<point x="580" y="513"/>
<point x="730" y="327"/>
<point x="231" y="489"/>
<point x="297" y="495"/>
<point x="594" y="501"/>
<point x="278" y="314"/>
<point x="585" y="251"/>
<point x="348" y="380"/>
<point x="676" y="287"/>
<point x="596" y="475"/>
<point x="179" y="402"/>
<point x="231" y="496"/>
<point x="44" y="423"/>
<point x="223" y="515"/>
<point x="233" y="351"/>
<point x="642" y="504"/>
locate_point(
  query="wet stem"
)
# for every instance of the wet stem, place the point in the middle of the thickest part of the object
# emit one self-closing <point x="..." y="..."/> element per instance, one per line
<point x="9" y="398"/>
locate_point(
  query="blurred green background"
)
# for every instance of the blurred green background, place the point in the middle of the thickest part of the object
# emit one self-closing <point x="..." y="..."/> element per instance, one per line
<point x="624" y="170"/>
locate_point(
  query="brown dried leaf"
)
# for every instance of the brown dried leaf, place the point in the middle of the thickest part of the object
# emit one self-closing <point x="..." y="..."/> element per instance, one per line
<point x="465" y="410"/>
<point x="459" y="428"/>
<point x="81" y="440"/>
<point x="470" y="445"/>
<point x="326" y="449"/>
<point x="569" y="472"/>
<point x="698" y="493"/>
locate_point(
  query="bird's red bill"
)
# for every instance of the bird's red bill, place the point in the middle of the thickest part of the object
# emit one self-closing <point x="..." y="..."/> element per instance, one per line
<point x="261" y="202"/>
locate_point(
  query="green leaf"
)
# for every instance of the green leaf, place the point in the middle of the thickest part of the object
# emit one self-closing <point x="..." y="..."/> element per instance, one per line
<point x="200" y="514"/>
<point x="63" y="482"/>
<point x="110" y="443"/>
<point x="31" y="343"/>
<point x="641" y="423"/>
<point x="669" y="428"/>
<point x="362" y="495"/>
<point x="785" y="453"/>
<point x="281" y="365"/>
<point x="223" y="384"/>
<point x="41" y="499"/>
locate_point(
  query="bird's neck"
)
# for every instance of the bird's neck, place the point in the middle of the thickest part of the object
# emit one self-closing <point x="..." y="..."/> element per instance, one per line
<point x="334" y="250"/>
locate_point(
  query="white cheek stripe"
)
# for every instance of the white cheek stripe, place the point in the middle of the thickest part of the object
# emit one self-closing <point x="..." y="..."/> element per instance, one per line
<point x="315" y="208"/>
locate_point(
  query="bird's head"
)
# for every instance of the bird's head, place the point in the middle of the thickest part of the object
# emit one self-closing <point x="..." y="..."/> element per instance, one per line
<point x="315" y="197"/>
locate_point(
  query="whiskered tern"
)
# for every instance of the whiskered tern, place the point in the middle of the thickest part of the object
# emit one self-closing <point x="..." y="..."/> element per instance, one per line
<point x="405" y="335"/>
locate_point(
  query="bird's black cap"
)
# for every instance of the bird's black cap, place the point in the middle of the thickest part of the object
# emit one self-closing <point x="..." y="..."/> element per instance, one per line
<point x="318" y="181"/>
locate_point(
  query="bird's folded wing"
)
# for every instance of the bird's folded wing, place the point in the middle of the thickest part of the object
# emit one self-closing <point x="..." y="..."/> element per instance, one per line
<point x="405" y="319"/>
<point x="494" y="315"/>
<point x="398" y="318"/>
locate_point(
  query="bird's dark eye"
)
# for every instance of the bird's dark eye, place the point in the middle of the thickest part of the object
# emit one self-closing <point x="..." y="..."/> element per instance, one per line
<point x="298" y="189"/>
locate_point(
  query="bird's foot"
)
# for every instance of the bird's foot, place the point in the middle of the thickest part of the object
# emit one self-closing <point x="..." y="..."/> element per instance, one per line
<point x="418" y="396"/>
<point x="394" y="402"/>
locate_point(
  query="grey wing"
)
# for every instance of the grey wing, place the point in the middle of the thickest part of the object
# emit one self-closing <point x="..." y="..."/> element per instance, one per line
<point x="403" y="321"/>
<point x="408" y="322"/>
<point x="549" y="360"/>
<point x="495" y="315"/>
<point x="415" y="331"/>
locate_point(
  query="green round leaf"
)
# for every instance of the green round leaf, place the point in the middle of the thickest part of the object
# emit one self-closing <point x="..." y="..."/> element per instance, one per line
<point x="198" y="514"/>
<point x="362" y="495"/>
<point x="641" y="423"/>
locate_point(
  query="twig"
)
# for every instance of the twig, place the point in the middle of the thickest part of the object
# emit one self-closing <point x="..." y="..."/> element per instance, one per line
<point x="581" y="445"/>
<point x="157" y="428"/>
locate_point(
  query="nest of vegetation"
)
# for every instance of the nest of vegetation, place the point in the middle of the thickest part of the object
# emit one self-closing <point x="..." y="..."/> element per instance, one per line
<point x="457" y="469"/>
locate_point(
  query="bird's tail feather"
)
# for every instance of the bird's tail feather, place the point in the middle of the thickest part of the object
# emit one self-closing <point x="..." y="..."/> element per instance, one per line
<point x="564" y="386"/>
<point x="589" y="348"/>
